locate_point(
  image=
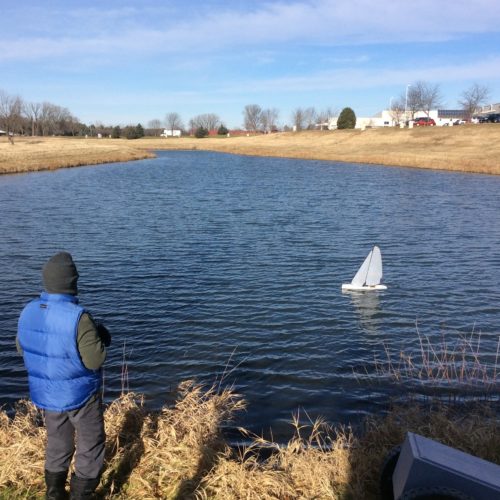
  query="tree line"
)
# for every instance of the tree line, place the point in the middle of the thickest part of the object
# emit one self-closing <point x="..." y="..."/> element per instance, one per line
<point x="18" y="116"/>
<point x="35" y="118"/>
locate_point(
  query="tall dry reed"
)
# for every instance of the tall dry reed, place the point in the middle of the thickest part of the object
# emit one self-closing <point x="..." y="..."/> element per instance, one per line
<point x="458" y="363"/>
<point x="180" y="451"/>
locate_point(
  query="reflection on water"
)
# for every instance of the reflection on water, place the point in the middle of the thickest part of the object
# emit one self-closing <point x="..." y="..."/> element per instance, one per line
<point x="367" y="305"/>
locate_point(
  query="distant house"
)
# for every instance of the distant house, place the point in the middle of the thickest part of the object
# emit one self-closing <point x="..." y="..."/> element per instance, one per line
<point x="171" y="133"/>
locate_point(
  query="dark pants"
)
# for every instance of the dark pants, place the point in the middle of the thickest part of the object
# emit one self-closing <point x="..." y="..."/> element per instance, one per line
<point x="88" y="423"/>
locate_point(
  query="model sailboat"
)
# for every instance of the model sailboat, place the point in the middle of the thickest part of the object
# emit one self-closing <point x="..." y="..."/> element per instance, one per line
<point x="369" y="274"/>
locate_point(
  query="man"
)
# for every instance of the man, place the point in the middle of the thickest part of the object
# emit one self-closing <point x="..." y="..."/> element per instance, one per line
<point x="63" y="351"/>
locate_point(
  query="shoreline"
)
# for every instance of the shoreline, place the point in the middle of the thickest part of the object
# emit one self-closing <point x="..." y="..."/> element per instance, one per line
<point x="467" y="148"/>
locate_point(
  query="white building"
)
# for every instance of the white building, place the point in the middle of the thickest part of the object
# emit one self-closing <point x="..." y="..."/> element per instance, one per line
<point x="387" y="118"/>
<point x="170" y="133"/>
<point x="489" y="108"/>
<point x="382" y="119"/>
<point x="444" y="117"/>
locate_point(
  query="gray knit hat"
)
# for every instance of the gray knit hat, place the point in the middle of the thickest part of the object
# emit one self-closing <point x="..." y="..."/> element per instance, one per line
<point x="60" y="274"/>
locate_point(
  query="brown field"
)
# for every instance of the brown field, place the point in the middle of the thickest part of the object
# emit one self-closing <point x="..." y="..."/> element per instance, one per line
<point x="469" y="148"/>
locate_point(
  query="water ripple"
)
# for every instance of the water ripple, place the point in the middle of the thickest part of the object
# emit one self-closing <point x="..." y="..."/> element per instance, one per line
<point x="206" y="266"/>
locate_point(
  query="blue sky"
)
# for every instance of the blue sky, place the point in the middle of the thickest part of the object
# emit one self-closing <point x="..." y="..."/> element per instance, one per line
<point x="121" y="62"/>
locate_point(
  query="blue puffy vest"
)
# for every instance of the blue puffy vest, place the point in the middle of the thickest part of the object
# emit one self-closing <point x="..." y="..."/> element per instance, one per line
<point x="47" y="333"/>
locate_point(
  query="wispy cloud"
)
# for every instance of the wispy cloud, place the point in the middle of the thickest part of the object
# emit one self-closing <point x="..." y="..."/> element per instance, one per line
<point x="121" y="58"/>
<point x="157" y="30"/>
<point x="359" y="78"/>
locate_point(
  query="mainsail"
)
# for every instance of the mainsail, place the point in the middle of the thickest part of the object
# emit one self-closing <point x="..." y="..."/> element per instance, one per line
<point x="370" y="272"/>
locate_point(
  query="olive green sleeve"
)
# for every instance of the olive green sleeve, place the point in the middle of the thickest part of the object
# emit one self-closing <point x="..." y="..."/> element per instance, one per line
<point x="18" y="347"/>
<point x="90" y="346"/>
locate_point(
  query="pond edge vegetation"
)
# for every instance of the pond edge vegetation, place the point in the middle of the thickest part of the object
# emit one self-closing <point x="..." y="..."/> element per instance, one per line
<point x="180" y="451"/>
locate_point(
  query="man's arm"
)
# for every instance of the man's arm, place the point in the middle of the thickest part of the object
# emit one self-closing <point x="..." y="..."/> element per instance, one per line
<point x="18" y="347"/>
<point x="91" y="346"/>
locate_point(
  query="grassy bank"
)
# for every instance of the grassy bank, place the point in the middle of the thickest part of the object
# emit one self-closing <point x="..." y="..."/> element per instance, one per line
<point x="50" y="153"/>
<point x="179" y="452"/>
<point x="465" y="148"/>
<point x="470" y="148"/>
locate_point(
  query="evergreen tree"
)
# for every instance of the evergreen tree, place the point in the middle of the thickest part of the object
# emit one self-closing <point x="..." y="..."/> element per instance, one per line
<point x="201" y="132"/>
<point x="139" y="130"/>
<point x="347" y="119"/>
<point x="222" y="130"/>
<point x="116" y="133"/>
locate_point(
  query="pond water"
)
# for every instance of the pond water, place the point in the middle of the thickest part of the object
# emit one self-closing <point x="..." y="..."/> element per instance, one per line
<point x="210" y="266"/>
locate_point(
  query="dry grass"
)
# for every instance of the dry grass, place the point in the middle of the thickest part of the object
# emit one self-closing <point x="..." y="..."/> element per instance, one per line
<point x="314" y="464"/>
<point x="468" y="148"/>
<point x="21" y="452"/>
<point x="179" y="453"/>
<point x="31" y="154"/>
<point x="473" y="429"/>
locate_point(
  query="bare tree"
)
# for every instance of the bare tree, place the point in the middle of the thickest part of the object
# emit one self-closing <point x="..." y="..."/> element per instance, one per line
<point x="192" y="126"/>
<point x="473" y="97"/>
<point x="155" y="126"/>
<point x="56" y="120"/>
<point x="430" y="96"/>
<point x="298" y="118"/>
<point x="32" y="111"/>
<point x="63" y="121"/>
<point x="73" y="125"/>
<point x="310" y="117"/>
<point x="397" y="111"/>
<point x="11" y="117"/>
<point x="411" y="101"/>
<point x="208" y="121"/>
<point x="324" y="116"/>
<point x="252" y="117"/>
<point x="173" y="122"/>
<point x="269" y="119"/>
<point x="46" y="118"/>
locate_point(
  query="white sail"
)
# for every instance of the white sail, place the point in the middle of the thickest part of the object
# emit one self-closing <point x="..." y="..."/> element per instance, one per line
<point x="374" y="274"/>
<point x="360" y="277"/>
<point x="370" y="272"/>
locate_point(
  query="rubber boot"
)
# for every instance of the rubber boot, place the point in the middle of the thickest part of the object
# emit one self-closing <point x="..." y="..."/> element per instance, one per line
<point x="56" y="482"/>
<point x="82" y="489"/>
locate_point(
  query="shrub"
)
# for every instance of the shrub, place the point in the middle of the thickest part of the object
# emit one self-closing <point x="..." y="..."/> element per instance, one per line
<point x="201" y="132"/>
<point x="130" y="132"/>
<point x="347" y="119"/>
<point x="222" y="130"/>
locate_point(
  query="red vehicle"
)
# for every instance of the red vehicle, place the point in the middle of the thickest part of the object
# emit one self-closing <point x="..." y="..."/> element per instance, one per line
<point x="424" y="121"/>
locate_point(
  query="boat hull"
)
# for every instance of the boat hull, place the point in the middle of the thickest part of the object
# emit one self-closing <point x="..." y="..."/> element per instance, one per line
<point x="349" y="287"/>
